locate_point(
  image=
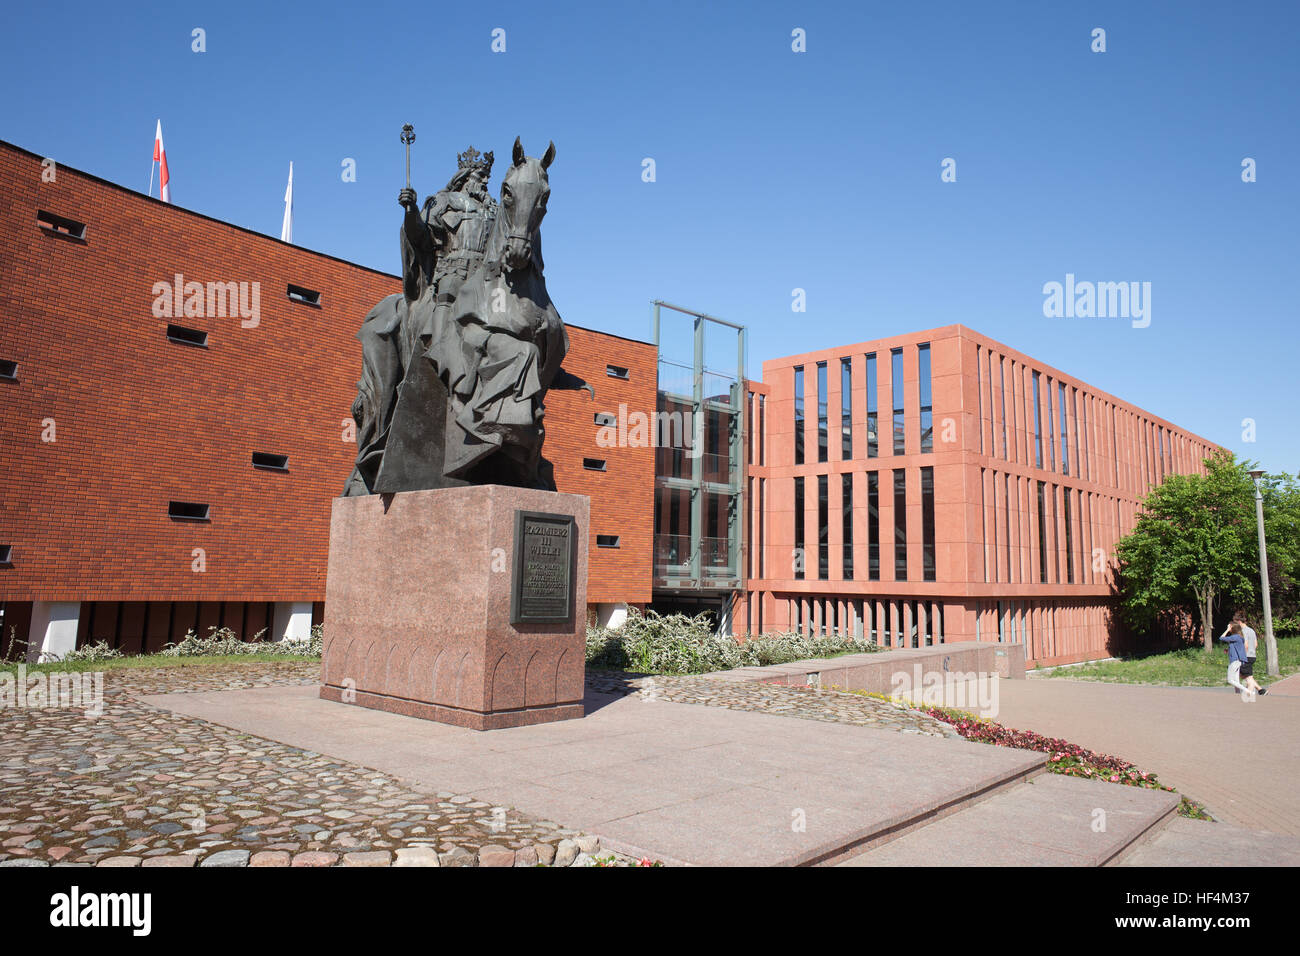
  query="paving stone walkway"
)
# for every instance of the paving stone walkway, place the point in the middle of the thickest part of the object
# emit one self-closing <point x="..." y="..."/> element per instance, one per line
<point x="809" y="704"/>
<point x="140" y="786"/>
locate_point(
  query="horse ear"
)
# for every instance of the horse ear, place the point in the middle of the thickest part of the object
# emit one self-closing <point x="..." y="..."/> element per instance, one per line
<point x="519" y="152"/>
<point x="549" y="156"/>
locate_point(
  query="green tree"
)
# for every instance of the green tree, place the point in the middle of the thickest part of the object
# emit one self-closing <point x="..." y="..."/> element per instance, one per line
<point x="1193" y="545"/>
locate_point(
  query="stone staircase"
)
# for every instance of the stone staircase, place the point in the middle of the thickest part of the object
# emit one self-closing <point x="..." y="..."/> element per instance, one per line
<point x="1052" y="820"/>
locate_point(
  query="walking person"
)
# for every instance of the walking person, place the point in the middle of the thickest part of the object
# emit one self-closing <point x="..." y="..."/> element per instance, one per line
<point x="1236" y="655"/>
<point x="1251" y="641"/>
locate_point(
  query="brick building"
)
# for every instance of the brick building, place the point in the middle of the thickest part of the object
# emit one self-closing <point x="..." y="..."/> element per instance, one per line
<point x="939" y="486"/>
<point x="164" y="472"/>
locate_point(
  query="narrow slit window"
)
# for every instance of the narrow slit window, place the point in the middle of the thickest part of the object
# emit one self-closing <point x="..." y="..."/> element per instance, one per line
<point x="605" y="418"/>
<point x="617" y="371"/>
<point x="186" y="336"/>
<point x="594" y="464"/>
<point x="300" y="294"/>
<point x="6" y="554"/>
<point x="8" y="370"/>
<point x="270" y="462"/>
<point x="188" y="510"/>
<point x="607" y="541"/>
<point x="61" y="225"/>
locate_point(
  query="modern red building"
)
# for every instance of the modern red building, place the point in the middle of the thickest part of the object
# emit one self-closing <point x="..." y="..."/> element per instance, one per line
<point x="175" y="397"/>
<point x="940" y="486"/>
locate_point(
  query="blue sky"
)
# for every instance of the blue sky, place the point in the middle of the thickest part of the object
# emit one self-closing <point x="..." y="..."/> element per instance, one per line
<point x="775" y="170"/>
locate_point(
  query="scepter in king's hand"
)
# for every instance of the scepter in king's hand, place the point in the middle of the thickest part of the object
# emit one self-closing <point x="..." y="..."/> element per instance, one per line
<point x="408" y="137"/>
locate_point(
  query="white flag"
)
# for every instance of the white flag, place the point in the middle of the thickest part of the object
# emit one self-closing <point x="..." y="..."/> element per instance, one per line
<point x="286" y="229"/>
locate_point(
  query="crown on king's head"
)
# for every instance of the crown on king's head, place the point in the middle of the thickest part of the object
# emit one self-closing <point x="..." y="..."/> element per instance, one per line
<point x="472" y="157"/>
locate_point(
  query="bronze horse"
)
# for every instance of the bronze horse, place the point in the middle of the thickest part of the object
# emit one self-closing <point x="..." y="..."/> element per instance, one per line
<point x="469" y="404"/>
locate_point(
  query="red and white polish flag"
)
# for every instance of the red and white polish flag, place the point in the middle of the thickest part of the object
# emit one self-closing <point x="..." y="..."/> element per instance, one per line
<point x="160" y="157"/>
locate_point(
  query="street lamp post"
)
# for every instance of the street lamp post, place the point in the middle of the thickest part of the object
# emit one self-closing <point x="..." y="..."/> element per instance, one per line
<point x="1269" y="644"/>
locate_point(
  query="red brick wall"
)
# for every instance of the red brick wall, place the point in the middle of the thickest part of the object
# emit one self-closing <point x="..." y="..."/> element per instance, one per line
<point x="138" y="420"/>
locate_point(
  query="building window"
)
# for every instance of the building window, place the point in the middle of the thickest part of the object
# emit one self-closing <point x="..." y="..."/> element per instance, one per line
<point x="617" y="371"/>
<point x="1038" y="428"/>
<point x="822" y="437"/>
<point x="846" y="519"/>
<point x="900" y="524"/>
<point x="873" y="526"/>
<point x="188" y="511"/>
<point x="896" y="383"/>
<point x="799" y="552"/>
<point x="798" y="415"/>
<point x="185" y="336"/>
<point x="300" y="294"/>
<point x="605" y="418"/>
<point x="927" y="524"/>
<point x="762" y="430"/>
<point x="1085" y="459"/>
<point x="1065" y="431"/>
<point x="823" y="527"/>
<point x="61" y="225"/>
<point x="6" y="554"/>
<point x="1042" y="532"/>
<point x="607" y="541"/>
<point x="270" y="462"/>
<point x="1069" y="540"/>
<point x="846" y="409"/>
<point x="8" y="370"/>
<point x="1051" y="434"/>
<point x="1002" y="391"/>
<point x="927" y="408"/>
<point x="873" y="444"/>
<point x="594" y="464"/>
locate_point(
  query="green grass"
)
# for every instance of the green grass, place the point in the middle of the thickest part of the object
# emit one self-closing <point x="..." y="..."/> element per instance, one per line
<point x="152" y="660"/>
<point x="1189" y="667"/>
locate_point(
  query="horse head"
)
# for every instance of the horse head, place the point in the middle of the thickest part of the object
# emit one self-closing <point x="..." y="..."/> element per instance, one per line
<point x="524" y="192"/>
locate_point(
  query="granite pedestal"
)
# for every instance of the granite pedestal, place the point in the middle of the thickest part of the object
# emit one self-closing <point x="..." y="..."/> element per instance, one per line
<point x="422" y="616"/>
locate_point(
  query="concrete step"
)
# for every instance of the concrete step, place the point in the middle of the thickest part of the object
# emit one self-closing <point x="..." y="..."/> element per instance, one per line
<point x="1184" y="842"/>
<point x="1048" y="820"/>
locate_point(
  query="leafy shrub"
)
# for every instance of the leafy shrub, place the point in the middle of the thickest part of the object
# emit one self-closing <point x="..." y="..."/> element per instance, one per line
<point x="653" y="643"/>
<point x="99" y="651"/>
<point x="221" y="642"/>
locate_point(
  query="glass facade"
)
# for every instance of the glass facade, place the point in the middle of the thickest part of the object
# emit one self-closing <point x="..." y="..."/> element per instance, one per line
<point x="846" y="517"/>
<point x="873" y="526"/>
<point x="1042" y="533"/>
<point x="896" y="383"/>
<point x="873" y="443"/>
<point x="1038" y="427"/>
<point x="927" y="407"/>
<point x="823" y="527"/>
<point x="900" y="524"/>
<point x="800" y="556"/>
<point x="798" y="415"/>
<point x="822" y="436"/>
<point x="846" y="409"/>
<point x="927" y="524"/>
<point x="1065" y="431"/>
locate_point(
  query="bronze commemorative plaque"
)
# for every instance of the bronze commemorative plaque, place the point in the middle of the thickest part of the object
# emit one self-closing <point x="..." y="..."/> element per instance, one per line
<point x="545" y="563"/>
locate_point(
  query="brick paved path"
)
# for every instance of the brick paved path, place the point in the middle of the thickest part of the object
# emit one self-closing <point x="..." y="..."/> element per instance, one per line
<point x="1242" y="760"/>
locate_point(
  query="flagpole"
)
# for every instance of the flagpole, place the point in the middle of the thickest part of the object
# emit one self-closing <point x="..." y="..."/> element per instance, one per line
<point x="149" y="191"/>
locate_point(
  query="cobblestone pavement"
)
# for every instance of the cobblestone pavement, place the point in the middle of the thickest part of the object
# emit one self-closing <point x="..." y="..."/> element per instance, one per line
<point x="141" y="786"/>
<point x="138" y="786"/>
<point x="811" y="704"/>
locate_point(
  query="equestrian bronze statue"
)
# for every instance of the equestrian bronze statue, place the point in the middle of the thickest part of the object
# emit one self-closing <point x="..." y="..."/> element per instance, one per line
<point x="455" y="368"/>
